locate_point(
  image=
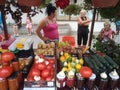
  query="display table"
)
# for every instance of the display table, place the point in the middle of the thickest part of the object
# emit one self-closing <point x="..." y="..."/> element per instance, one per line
<point x="53" y="88"/>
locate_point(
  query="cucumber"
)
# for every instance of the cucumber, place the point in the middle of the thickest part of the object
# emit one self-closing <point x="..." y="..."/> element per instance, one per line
<point x="111" y="62"/>
<point x="90" y="64"/>
<point x="101" y="59"/>
<point x="104" y="62"/>
<point x="87" y="61"/>
<point x="99" y="64"/>
<point x="94" y="63"/>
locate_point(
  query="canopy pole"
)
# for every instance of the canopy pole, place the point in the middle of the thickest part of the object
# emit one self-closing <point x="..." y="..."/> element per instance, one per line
<point x="92" y="27"/>
<point x="4" y="22"/>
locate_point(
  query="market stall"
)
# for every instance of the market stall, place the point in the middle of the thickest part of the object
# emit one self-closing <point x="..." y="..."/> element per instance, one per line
<point x="55" y="65"/>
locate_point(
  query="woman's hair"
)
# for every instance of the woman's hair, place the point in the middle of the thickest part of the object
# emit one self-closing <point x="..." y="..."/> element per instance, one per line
<point x="50" y="9"/>
<point x="83" y="11"/>
<point x="107" y="23"/>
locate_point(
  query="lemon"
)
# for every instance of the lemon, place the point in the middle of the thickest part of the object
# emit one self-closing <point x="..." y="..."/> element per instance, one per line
<point x="73" y="59"/>
<point x="69" y="65"/>
<point x="81" y="61"/>
<point x="66" y="57"/>
<point x="62" y="58"/>
<point x="78" y="66"/>
<point x="64" y="69"/>
<point x="69" y="68"/>
<point x="66" y="54"/>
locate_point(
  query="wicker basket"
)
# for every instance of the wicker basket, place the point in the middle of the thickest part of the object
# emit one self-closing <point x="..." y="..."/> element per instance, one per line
<point x="2" y="2"/>
<point x="29" y="2"/>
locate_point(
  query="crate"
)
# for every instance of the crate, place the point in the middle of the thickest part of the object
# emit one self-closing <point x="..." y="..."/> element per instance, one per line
<point x="70" y="39"/>
<point x="41" y="83"/>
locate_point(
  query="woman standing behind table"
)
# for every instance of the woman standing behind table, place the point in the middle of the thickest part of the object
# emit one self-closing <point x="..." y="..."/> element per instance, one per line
<point x="82" y="33"/>
<point x="29" y="25"/>
<point x="106" y="32"/>
<point x="48" y="25"/>
<point x="17" y="26"/>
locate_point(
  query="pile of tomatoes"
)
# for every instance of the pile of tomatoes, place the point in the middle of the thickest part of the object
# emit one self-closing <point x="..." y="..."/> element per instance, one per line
<point x="42" y="69"/>
<point x="5" y="69"/>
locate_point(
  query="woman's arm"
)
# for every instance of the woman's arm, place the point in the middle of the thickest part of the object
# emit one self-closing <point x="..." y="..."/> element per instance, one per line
<point x="41" y="25"/>
<point x="85" y="22"/>
<point x="19" y="22"/>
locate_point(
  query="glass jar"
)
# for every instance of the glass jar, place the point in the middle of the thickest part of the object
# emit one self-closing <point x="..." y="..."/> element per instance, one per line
<point x="60" y="80"/>
<point x="3" y="84"/>
<point x="113" y="81"/>
<point x="13" y="83"/>
<point x="16" y="66"/>
<point x="103" y="84"/>
<point x="91" y="82"/>
<point x="70" y="81"/>
<point x="79" y="81"/>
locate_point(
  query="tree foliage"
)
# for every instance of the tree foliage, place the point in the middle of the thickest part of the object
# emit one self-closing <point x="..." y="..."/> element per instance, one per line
<point x="108" y="13"/>
<point x="72" y="9"/>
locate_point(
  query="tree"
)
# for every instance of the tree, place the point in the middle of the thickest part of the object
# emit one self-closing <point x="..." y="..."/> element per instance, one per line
<point x="108" y="13"/>
<point x="72" y="9"/>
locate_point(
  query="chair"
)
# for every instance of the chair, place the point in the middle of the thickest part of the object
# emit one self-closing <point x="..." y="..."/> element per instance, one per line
<point x="70" y="39"/>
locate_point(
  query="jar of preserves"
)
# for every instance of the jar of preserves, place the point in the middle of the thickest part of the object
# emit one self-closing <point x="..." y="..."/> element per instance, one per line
<point x="60" y="79"/>
<point x="103" y="81"/>
<point x="91" y="82"/>
<point x="13" y="82"/>
<point x="16" y="66"/>
<point x="3" y="84"/>
<point x="70" y="79"/>
<point x="79" y="81"/>
<point x="114" y="77"/>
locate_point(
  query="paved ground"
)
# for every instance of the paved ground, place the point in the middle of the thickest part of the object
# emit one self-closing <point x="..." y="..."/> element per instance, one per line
<point x="64" y="31"/>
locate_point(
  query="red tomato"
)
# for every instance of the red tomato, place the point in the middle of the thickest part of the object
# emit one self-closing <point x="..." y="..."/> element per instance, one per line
<point x="52" y="69"/>
<point x="45" y="73"/>
<point x="51" y="60"/>
<point x="5" y="71"/>
<point x="40" y="66"/>
<point x="86" y="71"/>
<point x="43" y="79"/>
<point x="52" y="73"/>
<point x="41" y="55"/>
<point x="8" y="56"/>
<point x="48" y="78"/>
<point x="34" y="72"/>
<point x="49" y="66"/>
<point x="30" y="79"/>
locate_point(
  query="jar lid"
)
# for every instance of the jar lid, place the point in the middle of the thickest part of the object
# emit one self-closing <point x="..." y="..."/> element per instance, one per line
<point x="61" y="75"/>
<point x="113" y="77"/>
<point x="93" y="76"/>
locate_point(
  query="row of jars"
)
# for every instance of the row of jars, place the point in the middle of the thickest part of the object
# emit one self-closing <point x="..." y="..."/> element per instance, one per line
<point x="79" y="82"/>
<point x="11" y="83"/>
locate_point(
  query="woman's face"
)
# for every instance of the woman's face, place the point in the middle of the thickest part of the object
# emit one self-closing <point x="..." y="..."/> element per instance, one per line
<point x="54" y="14"/>
<point x="83" y="13"/>
<point x="107" y="26"/>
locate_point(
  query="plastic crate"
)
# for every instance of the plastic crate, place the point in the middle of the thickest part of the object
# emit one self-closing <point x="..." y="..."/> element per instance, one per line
<point x="70" y="39"/>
